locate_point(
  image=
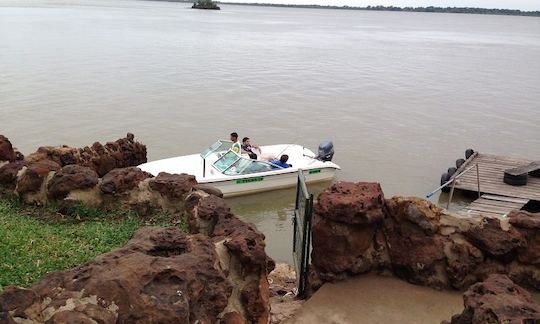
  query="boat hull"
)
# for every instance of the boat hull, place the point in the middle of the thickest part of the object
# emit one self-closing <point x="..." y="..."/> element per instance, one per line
<point x="261" y="183"/>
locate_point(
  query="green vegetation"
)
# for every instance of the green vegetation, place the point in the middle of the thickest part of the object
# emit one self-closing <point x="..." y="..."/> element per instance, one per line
<point x="205" y="4"/>
<point x="35" y="241"/>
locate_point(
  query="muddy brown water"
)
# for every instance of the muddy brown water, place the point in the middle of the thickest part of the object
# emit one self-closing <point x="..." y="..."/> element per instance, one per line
<point x="379" y="300"/>
<point x="402" y="95"/>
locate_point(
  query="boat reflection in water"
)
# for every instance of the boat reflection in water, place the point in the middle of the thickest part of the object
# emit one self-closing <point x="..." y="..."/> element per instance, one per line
<point x="272" y="213"/>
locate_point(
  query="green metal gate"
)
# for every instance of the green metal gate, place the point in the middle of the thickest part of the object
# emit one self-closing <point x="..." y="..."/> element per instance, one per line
<point x="302" y="233"/>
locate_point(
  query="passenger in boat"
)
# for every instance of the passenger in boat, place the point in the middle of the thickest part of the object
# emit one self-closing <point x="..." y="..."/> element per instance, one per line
<point x="236" y="145"/>
<point x="282" y="162"/>
<point x="248" y="148"/>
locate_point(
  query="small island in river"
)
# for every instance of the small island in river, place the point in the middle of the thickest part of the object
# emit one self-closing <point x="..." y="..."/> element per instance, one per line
<point x="205" y="4"/>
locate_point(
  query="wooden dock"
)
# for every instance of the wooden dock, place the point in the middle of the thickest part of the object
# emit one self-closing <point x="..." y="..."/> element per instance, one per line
<point x="497" y="198"/>
<point x="492" y="206"/>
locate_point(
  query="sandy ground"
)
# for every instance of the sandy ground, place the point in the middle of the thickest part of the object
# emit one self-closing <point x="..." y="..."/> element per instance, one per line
<point x="375" y="299"/>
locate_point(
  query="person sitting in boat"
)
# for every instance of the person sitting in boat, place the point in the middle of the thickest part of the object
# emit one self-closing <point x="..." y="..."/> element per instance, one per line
<point x="282" y="162"/>
<point x="236" y="145"/>
<point x="249" y="149"/>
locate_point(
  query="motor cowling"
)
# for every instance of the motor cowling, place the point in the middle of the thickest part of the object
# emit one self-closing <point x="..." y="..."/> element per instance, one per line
<point x="326" y="151"/>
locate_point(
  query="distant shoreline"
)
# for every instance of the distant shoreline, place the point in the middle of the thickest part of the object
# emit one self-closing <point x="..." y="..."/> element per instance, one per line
<point x="431" y="9"/>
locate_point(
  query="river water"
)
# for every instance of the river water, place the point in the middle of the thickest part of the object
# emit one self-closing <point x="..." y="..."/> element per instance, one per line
<point x="402" y="95"/>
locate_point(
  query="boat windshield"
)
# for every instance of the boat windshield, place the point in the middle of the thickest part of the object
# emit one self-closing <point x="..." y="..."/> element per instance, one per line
<point x="226" y="160"/>
<point x="246" y="166"/>
<point x="219" y="146"/>
<point x="233" y="164"/>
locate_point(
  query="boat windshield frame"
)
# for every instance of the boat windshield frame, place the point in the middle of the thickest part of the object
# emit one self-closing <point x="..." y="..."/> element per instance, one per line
<point x="241" y="165"/>
<point x="218" y="146"/>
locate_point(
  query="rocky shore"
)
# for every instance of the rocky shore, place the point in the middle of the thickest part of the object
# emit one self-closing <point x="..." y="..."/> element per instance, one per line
<point x="216" y="273"/>
<point x="357" y="231"/>
<point x="220" y="272"/>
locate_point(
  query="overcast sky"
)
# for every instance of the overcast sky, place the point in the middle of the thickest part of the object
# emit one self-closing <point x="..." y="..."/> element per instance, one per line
<point x="504" y="4"/>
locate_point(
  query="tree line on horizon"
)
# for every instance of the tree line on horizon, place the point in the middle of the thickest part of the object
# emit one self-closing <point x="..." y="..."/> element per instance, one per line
<point x="467" y="10"/>
<point x="471" y="10"/>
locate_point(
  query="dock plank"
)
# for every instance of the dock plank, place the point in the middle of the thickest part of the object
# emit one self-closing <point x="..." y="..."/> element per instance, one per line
<point x="492" y="206"/>
<point x="503" y="198"/>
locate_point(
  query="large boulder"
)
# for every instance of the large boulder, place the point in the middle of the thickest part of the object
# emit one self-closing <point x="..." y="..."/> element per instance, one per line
<point x="528" y="224"/>
<point x="416" y="253"/>
<point x="121" y="153"/>
<point x="159" y="276"/>
<point x="463" y="261"/>
<point x="242" y="250"/>
<point x="173" y="185"/>
<point x="7" y="153"/>
<point x="8" y="174"/>
<point x="69" y="178"/>
<point x="339" y="251"/>
<point x="119" y="181"/>
<point x="352" y="203"/>
<point x="205" y="211"/>
<point x="344" y="230"/>
<point x="248" y="265"/>
<point x="524" y="220"/>
<point x="492" y="239"/>
<point x="497" y="300"/>
<point x="32" y="178"/>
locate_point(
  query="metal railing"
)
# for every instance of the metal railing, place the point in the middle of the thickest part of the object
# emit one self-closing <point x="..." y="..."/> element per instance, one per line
<point x="302" y="233"/>
<point x="453" y="182"/>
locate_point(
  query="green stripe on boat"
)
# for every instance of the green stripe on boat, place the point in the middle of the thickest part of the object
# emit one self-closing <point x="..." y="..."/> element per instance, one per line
<point x="314" y="171"/>
<point x="248" y="180"/>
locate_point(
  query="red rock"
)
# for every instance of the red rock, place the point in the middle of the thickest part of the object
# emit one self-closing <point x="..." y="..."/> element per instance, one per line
<point x="7" y="153"/>
<point x="525" y="274"/>
<point x="233" y="318"/>
<point x="122" y="153"/>
<point x="416" y="254"/>
<point x="69" y="178"/>
<point x="16" y="300"/>
<point x="339" y="248"/>
<point x="420" y="213"/>
<point x="463" y="259"/>
<point x="159" y="276"/>
<point x="173" y="185"/>
<point x="211" y="190"/>
<point x="68" y="316"/>
<point x="255" y="298"/>
<point x="8" y="174"/>
<point x="205" y="212"/>
<point x="245" y="244"/>
<point x="524" y="219"/>
<point x="531" y="253"/>
<point x="528" y="224"/>
<point x="32" y="179"/>
<point x="121" y="180"/>
<point x="497" y="300"/>
<point x="352" y="203"/>
<point x="494" y="241"/>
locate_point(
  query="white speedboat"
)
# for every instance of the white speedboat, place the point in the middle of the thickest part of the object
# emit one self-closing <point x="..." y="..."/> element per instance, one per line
<point x="236" y="174"/>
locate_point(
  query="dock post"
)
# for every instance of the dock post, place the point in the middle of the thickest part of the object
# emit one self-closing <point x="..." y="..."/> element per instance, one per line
<point x="451" y="194"/>
<point x="478" y="179"/>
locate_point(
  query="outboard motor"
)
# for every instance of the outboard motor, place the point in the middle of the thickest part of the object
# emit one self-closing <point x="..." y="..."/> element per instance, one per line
<point x="326" y="151"/>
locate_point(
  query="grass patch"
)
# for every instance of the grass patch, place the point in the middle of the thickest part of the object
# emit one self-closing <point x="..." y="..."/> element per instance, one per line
<point x="35" y="241"/>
